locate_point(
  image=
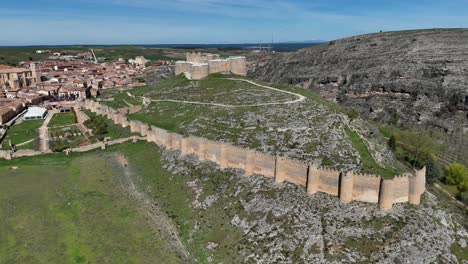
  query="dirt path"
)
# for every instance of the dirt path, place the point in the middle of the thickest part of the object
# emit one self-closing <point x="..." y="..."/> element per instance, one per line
<point x="300" y="97"/>
<point x="158" y="219"/>
<point x="44" y="133"/>
<point x="25" y="143"/>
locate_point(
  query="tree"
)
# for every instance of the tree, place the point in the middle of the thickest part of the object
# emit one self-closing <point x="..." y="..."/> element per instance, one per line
<point x="392" y="142"/>
<point x="433" y="171"/>
<point x="420" y="145"/>
<point x="456" y="174"/>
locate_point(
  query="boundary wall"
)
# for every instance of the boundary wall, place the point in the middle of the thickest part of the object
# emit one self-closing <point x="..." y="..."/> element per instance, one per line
<point x="348" y="186"/>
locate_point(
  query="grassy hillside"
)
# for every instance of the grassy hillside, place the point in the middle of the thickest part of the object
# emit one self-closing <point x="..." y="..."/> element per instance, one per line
<point x="129" y="203"/>
<point x="58" y="209"/>
<point x="313" y="129"/>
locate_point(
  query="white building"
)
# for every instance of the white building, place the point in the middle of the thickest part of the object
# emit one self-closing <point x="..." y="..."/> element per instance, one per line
<point x="36" y="113"/>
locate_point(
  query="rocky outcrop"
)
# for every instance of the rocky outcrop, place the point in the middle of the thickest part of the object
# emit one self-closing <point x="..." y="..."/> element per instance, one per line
<point x="407" y="77"/>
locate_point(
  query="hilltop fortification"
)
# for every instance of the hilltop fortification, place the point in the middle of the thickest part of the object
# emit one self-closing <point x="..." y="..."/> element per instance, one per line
<point x="348" y="186"/>
<point x="200" y="65"/>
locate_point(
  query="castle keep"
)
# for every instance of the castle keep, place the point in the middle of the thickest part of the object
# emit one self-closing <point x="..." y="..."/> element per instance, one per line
<point x="348" y="186"/>
<point x="200" y="65"/>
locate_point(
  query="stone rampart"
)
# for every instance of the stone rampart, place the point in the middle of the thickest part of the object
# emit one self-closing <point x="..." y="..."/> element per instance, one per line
<point x="234" y="157"/>
<point x="5" y="154"/>
<point x="347" y="185"/>
<point x="328" y="181"/>
<point x="291" y="171"/>
<point x="213" y="151"/>
<point x="365" y="188"/>
<point x="260" y="164"/>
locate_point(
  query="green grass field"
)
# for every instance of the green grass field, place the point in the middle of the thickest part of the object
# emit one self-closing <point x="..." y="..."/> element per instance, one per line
<point x="62" y="119"/>
<point x="76" y="209"/>
<point x="58" y="209"/>
<point x="23" y="132"/>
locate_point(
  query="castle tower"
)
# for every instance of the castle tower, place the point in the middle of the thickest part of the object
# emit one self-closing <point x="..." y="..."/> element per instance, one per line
<point x="386" y="194"/>
<point x="346" y="187"/>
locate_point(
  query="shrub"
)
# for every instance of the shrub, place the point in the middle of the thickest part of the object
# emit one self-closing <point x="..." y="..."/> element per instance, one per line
<point x="456" y="174"/>
<point x="60" y="146"/>
<point x="392" y="143"/>
<point x="463" y="197"/>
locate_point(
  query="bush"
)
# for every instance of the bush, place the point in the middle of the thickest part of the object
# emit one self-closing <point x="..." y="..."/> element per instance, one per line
<point x="392" y="143"/>
<point x="463" y="197"/>
<point x="60" y="146"/>
<point x="456" y="174"/>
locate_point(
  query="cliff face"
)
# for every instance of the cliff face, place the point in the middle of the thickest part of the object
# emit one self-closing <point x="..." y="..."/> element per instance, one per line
<point x="408" y="77"/>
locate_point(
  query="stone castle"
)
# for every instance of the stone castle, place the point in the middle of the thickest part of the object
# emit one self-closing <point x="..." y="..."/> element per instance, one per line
<point x="348" y="186"/>
<point x="200" y="65"/>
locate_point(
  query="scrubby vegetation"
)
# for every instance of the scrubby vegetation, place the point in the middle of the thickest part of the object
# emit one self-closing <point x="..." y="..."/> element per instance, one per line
<point x="103" y="127"/>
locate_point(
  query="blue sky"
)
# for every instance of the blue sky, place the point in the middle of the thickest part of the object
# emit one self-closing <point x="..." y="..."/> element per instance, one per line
<point x="30" y="22"/>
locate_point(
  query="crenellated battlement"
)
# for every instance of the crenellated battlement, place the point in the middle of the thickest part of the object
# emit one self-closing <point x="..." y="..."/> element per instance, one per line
<point x="349" y="186"/>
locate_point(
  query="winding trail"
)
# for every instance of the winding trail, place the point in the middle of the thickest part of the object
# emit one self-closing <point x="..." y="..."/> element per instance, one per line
<point x="300" y="97"/>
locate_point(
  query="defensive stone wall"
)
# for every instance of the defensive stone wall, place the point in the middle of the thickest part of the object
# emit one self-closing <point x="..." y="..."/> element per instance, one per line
<point x="213" y="151"/>
<point x="347" y="185"/>
<point x="291" y="171"/>
<point x="328" y="180"/>
<point x="365" y="188"/>
<point x="234" y="157"/>
<point x="260" y="164"/>
<point x="5" y="154"/>
<point x="199" y="66"/>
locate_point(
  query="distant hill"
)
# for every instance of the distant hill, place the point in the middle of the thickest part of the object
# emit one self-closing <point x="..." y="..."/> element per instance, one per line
<point x="417" y="77"/>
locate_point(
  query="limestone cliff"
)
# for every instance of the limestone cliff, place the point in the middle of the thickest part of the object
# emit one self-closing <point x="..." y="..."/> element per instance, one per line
<point x="408" y="77"/>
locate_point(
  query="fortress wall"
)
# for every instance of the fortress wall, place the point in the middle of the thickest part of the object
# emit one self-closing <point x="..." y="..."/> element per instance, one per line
<point x="89" y="147"/>
<point x="219" y="66"/>
<point x="417" y="186"/>
<point x="134" y="127"/>
<point x="162" y="137"/>
<point x="212" y="151"/>
<point x="329" y="181"/>
<point x="5" y="154"/>
<point x="400" y="189"/>
<point x="386" y="194"/>
<point x="143" y="129"/>
<point x="233" y="157"/>
<point x="259" y="164"/>
<point x="199" y="71"/>
<point x="182" y="66"/>
<point x="238" y="65"/>
<point x="195" y="145"/>
<point x="291" y="171"/>
<point x="313" y="179"/>
<point x="176" y="141"/>
<point x="366" y="188"/>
